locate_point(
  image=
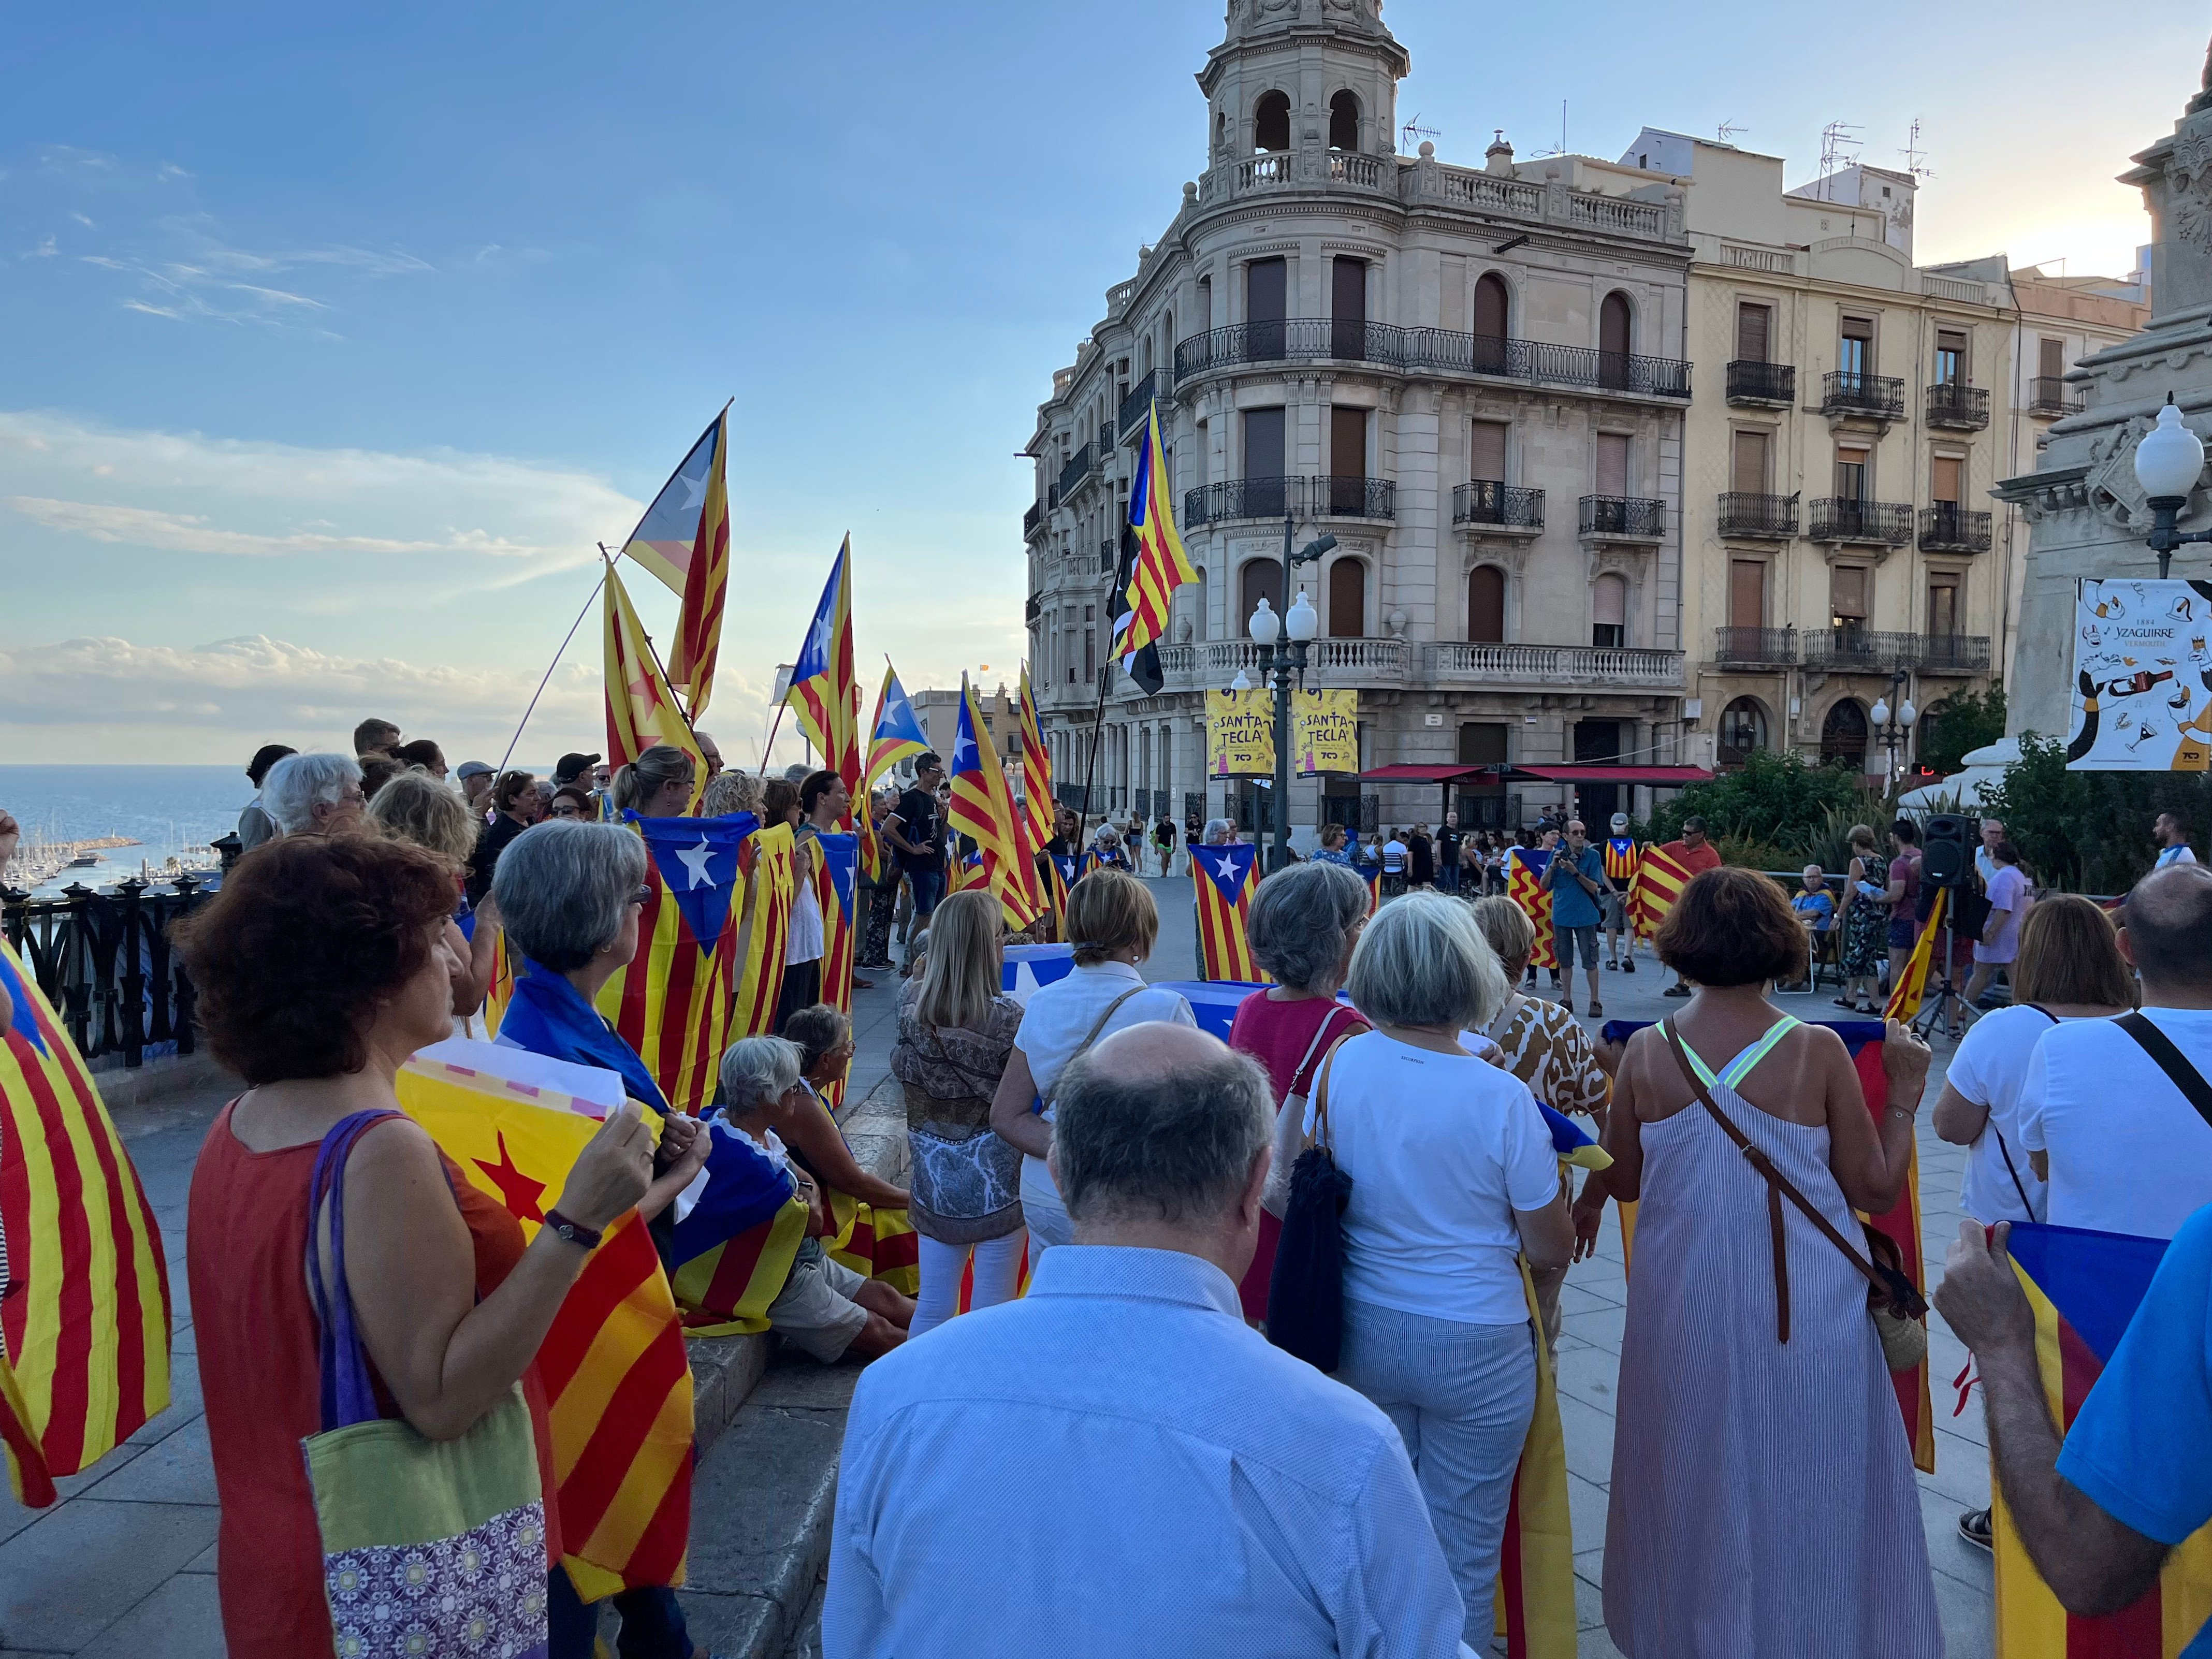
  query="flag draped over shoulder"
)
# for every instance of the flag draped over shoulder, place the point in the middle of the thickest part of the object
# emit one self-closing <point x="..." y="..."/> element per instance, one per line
<point x="618" y="1383"/>
<point x="671" y="1001"/>
<point x="1524" y="885"/>
<point x="983" y="811"/>
<point x="706" y="579"/>
<point x="771" y="883"/>
<point x="1160" y="566"/>
<point x="1659" y="881"/>
<point x="641" y="711"/>
<point x="824" y="693"/>
<point x="2084" y="1288"/>
<point x="87" y="1310"/>
<point x="733" y="1243"/>
<point x="1224" y="879"/>
<point x="1912" y="984"/>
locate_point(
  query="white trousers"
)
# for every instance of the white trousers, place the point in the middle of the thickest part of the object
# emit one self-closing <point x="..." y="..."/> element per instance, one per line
<point x="998" y="1276"/>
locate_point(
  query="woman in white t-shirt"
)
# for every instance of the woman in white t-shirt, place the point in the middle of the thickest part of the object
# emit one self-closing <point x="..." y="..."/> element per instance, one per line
<point x="1113" y="922"/>
<point x="2010" y="896"/>
<point x="1453" y="1177"/>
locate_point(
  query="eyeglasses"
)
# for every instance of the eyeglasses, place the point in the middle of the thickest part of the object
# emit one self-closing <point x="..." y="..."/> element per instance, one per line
<point x="640" y="897"/>
<point x="566" y="809"/>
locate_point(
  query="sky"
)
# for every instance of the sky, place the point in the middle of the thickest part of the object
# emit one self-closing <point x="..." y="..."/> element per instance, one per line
<point x="332" y="339"/>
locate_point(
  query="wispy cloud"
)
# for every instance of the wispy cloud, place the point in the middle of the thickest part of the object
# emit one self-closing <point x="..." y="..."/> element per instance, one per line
<point x="189" y="532"/>
<point x="186" y="270"/>
<point x="45" y="249"/>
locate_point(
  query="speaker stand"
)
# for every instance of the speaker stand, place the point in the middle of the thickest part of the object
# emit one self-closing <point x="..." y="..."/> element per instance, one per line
<point x="1944" y="990"/>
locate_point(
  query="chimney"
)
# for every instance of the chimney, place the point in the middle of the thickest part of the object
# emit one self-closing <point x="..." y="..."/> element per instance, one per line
<point x="1499" y="158"/>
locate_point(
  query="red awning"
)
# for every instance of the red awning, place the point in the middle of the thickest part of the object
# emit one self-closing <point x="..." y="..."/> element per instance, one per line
<point x="1428" y="774"/>
<point x="1660" y="777"/>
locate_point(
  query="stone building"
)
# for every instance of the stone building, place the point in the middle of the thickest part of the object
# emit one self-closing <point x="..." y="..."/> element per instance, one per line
<point x="1475" y="378"/>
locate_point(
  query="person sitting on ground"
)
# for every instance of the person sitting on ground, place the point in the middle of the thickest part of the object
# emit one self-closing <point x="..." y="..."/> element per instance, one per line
<point x="2070" y="967"/>
<point x="1114" y="923"/>
<point x="824" y="1037"/>
<point x="424" y="754"/>
<point x="1252" y="1505"/>
<point x="375" y="736"/>
<point x="321" y="966"/>
<point x="825" y="1309"/>
<point x="415" y="807"/>
<point x="514" y="808"/>
<point x="254" y="823"/>
<point x="314" y="794"/>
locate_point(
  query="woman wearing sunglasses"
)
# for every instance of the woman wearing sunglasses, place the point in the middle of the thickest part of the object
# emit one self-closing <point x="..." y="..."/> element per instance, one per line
<point x="572" y="803"/>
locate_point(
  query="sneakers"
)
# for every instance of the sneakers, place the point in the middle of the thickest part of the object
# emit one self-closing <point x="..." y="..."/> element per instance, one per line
<point x="1974" y="1528"/>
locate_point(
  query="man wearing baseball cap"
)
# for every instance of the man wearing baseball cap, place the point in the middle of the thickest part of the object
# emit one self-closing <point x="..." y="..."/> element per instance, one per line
<point x="571" y="767"/>
<point x="475" y="780"/>
<point x="1622" y="856"/>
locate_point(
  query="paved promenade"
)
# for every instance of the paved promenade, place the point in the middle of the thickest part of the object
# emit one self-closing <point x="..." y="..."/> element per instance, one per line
<point x="125" y="1564"/>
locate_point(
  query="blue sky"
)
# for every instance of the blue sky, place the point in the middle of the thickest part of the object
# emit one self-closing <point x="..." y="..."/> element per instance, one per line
<point x="335" y="336"/>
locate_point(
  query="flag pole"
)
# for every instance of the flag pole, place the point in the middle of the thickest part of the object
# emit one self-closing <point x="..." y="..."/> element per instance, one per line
<point x="774" y="726"/>
<point x="659" y="666"/>
<point x="556" y="663"/>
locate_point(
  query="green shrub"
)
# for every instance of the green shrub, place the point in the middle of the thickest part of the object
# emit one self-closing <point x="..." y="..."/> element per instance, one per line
<point x="2087" y="832"/>
<point x="1772" y="800"/>
<point x="1961" y="725"/>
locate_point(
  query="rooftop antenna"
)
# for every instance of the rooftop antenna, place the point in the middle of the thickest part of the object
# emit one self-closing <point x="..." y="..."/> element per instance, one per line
<point x="1411" y="134"/>
<point x="1728" y="131"/>
<point x="1915" y="159"/>
<point x="1838" y="148"/>
<point x="1561" y="149"/>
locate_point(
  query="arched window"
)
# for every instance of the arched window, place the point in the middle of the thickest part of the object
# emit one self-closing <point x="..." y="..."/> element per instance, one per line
<point x="1258" y="577"/>
<point x="1270" y="122"/>
<point x="1844" y="736"/>
<point x="1743" y="730"/>
<point x="1609" y="611"/>
<point x="1616" y="332"/>
<point x="1221" y="129"/>
<point x="1493" y="323"/>
<point x="1344" y="121"/>
<point x="1347" y="599"/>
<point x="1486" y="606"/>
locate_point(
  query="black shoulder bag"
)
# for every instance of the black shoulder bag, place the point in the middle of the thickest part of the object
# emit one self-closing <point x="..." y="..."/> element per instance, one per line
<point x="2171" y="1061"/>
<point x="1305" y="1295"/>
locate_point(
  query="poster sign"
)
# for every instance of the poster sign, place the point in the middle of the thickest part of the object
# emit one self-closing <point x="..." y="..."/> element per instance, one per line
<point x="1240" y="733"/>
<point x="2142" y="696"/>
<point x="1325" y="731"/>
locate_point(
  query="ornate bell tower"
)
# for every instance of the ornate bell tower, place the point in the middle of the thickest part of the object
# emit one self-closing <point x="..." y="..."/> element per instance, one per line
<point x="1299" y="78"/>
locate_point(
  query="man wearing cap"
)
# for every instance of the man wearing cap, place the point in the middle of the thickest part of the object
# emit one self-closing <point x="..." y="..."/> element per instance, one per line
<point x="1622" y="856"/>
<point x="475" y="786"/>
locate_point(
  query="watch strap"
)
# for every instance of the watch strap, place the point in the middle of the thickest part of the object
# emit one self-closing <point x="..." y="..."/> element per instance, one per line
<point x="574" y="1231"/>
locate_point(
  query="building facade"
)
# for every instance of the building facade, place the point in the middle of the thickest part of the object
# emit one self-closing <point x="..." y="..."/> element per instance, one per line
<point x="1474" y="379"/>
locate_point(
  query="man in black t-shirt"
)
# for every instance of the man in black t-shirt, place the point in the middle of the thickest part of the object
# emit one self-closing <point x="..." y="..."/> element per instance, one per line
<point x="1448" y="841"/>
<point x="915" y="829"/>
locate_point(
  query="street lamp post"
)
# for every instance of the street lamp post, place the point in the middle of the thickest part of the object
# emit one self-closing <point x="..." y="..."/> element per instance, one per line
<point x="1282" y="657"/>
<point x="1896" y="720"/>
<point x="2168" y="463"/>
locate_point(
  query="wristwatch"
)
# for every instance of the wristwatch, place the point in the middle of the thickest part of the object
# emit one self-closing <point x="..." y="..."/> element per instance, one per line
<point x="574" y="1232"/>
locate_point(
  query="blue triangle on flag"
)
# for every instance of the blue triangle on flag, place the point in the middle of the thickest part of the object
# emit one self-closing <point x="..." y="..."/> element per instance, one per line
<point x="1226" y="867"/>
<point x="1065" y="863"/>
<point x="841" y="856"/>
<point x="697" y="859"/>
<point x="26" y="1020"/>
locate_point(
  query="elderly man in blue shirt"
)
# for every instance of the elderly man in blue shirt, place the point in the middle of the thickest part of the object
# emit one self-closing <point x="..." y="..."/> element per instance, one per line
<point x="1576" y="881"/>
<point x="1117" y="1464"/>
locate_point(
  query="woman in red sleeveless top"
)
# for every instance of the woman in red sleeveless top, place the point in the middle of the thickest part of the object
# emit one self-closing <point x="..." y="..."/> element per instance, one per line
<point x="321" y="966"/>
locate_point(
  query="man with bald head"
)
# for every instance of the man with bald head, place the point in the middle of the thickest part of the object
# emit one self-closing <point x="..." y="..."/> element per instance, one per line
<point x="1117" y="1463"/>
<point x="2106" y="1110"/>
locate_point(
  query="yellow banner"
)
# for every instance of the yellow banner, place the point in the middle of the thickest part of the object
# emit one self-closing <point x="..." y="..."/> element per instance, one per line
<point x="1325" y="731"/>
<point x="1240" y="734"/>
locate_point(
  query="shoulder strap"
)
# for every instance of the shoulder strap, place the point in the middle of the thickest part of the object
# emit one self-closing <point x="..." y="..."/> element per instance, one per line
<point x="1319" y="1133"/>
<point x="1090" y="1038"/>
<point x="2171" y="1061"/>
<point x="1306" y="1059"/>
<point x="347" y="1396"/>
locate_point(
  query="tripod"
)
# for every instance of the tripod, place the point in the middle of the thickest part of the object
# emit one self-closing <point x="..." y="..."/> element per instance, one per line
<point x="1944" y="989"/>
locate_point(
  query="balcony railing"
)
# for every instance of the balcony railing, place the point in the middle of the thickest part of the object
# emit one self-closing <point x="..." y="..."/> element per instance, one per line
<point x="1964" y="408"/>
<point x="1131" y="419"/>
<point x="1031" y="519"/>
<point x="1470" y="661"/>
<point x="1430" y="350"/>
<point x="2047" y="398"/>
<point x="1836" y="518"/>
<point x="1951" y="654"/>
<point x="1077" y="469"/>
<point x="1755" y="647"/>
<point x="1273" y="498"/>
<point x="1507" y="507"/>
<point x="1623" y="516"/>
<point x="1751" y="382"/>
<point x="1772" y="517"/>
<point x="1947" y="527"/>
<point x="1866" y="650"/>
<point x="103" y="960"/>
<point x="1846" y="391"/>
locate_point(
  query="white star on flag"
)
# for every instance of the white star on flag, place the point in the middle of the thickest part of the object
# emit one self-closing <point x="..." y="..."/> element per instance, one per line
<point x="694" y="860"/>
<point x="1227" y="866"/>
<point x="695" y="493"/>
<point x="963" y="752"/>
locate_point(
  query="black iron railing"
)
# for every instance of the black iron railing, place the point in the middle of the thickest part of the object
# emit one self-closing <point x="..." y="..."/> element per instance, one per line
<point x="1847" y="391"/>
<point x="1032" y="518"/>
<point x="1867" y="650"/>
<point x="1272" y="498"/>
<point x="1341" y="496"/>
<point x="1951" y="654"/>
<point x="1131" y="419"/>
<point x="103" y="960"/>
<point x="1302" y="339"/>
<point x="1963" y="407"/>
<point x="1947" y="527"/>
<point x="1077" y="469"/>
<point x="1839" y="519"/>
<point x="2047" y="397"/>
<point x="1622" y="515"/>
<point x="1484" y="809"/>
<point x="1746" y="514"/>
<point x="1746" y="648"/>
<point x="1752" y="382"/>
<point x="1507" y="506"/>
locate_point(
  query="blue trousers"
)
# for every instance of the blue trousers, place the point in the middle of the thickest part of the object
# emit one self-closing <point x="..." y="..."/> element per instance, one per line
<point x="651" y="1622"/>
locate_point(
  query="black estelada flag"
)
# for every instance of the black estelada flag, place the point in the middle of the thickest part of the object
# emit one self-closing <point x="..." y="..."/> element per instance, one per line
<point x="1143" y="666"/>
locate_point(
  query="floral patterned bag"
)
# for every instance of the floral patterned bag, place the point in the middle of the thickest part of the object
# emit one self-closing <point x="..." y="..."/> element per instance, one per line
<point x="429" y="1547"/>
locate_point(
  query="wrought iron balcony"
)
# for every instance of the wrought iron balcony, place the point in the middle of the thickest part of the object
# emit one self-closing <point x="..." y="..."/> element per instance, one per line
<point x="1635" y="516"/>
<point x="1431" y="351"/>
<point x="1273" y="498"/>
<point x="1032" y="609"/>
<point x="1846" y="391"/>
<point x="1838" y="519"/>
<point x="1131" y="419"/>
<point x="1108" y="556"/>
<point x="1755" y="647"/>
<point x="1951" y="654"/>
<point x="1960" y="407"/>
<point x="2047" y="398"/>
<point x="1855" y="650"/>
<point x="1773" y="518"/>
<point x="1505" y="506"/>
<point x="1344" y="497"/>
<point x="1077" y="469"/>
<point x="1946" y="527"/>
<point x="1752" y="382"/>
<point x="1033" y="520"/>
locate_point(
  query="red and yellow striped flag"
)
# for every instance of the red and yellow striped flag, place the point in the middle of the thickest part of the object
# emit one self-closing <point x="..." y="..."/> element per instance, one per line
<point x="618" y="1383"/>
<point x="771" y="883"/>
<point x="1037" y="770"/>
<point x="874" y="1244"/>
<point x="983" y="810"/>
<point x="1161" y="566"/>
<point x="706" y="580"/>
<point x="727" y="1290"/>
<point x="1534" y="1600"/>
<point x="641" y="711"/>
<point x="824" y="693"/>
<point x="1659" y="881"/>
<point x="1912" y="984"/>
<point x="86" y="1312"/>
<point x="1224" y="879"/>
<point x="1524" y="885"/>
<point x="501" y="991"/>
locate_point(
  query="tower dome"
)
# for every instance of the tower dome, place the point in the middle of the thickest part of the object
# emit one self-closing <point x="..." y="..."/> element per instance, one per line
<point x="1293" y="74"/>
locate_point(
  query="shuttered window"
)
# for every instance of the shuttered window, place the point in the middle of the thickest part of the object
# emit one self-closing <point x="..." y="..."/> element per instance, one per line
<point x="1263" y="443"/>
<point x="1754" y="330"/>
<point x="1943" y="606"/>
<point x="1347" y="442"/>
<point x="1486" y="452"/>
<point x="1747" y="592"/>
<point x="1612" y="464"/>
<point x="1943" y="478"/>
<point x="1853" y="484"/>
<point x="1486" y="605"/>
<point x="1847" y="593"/>
<point x="1490" y="307"/>
<point x="1748" y="468"/>
<point x="1950" y="357"/>
<point x="1347" y="599"/>
<point x="2050" y="358"/>
<point x="1609" y="612"/>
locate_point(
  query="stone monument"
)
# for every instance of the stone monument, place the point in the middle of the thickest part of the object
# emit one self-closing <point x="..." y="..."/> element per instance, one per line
<point x="2086" y="512"/>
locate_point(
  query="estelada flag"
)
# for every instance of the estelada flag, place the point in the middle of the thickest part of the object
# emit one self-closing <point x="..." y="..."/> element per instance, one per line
<point x="667" y="536"/>
<point x="1224" y="879"/>
<point x="1912" y="984"/>
<point x="1524" y="885"/>
<point x="1659" y="881"/>
<point x="2085" y="1287"/>
<point x="84" y="1289"/>
<point x="835" y="878"/>
<point x="1037" y="770"/>
<point x="641" y="711"/>
<point x="983" y="810"/>
<point x="895" y="735"/>
<point x="1058" y="871"/>
<point x="706" y="579"/>
<point x="1160" y="566"/>
<point x="733" y="1241"/>
<point x="671" y="1001"/>
<point x="501" y="991"/>
<point x="771" y="883"/>
<point x="824" y="693"/>
<point x="618" y="1383"/>
<point x="1372" y="875"/>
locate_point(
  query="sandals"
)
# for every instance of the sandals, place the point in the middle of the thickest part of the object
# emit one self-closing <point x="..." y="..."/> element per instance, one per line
<point x="1974" y="1527"/>
<point x="1597" y="1011"/>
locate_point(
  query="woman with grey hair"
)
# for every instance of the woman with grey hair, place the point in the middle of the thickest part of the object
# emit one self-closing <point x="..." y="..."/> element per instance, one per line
<point x="1304" y="922"/>
<point x="314" y="794"/>
<point x="1453" y="1178"/>
<point x="732" y="791"/>
<point x="658" y="784"/>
